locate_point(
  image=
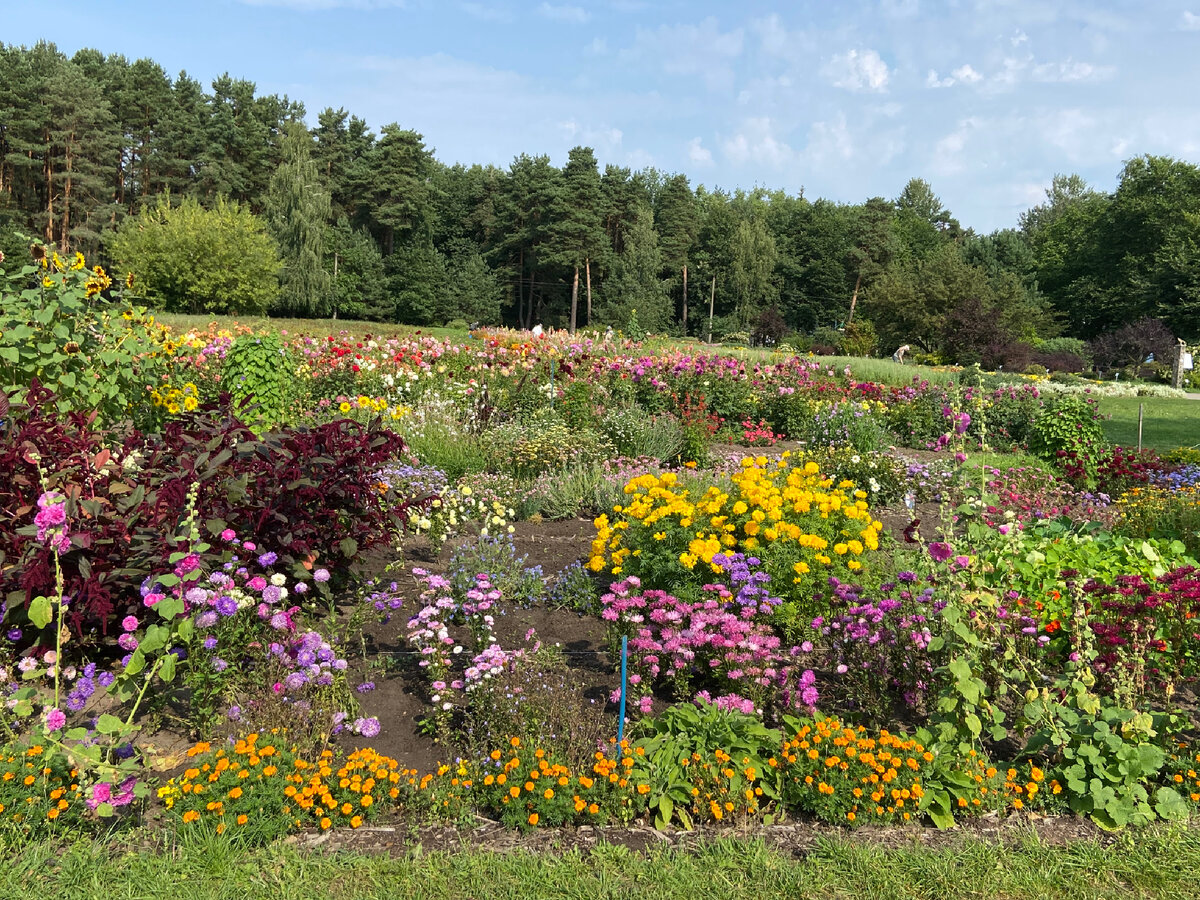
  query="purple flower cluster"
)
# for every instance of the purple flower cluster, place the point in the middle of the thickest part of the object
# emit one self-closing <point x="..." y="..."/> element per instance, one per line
<point x="749" y="579"/>
<point x="308" y="659"/>
<point x="882" y="640"/>
<point x="85" y="686"/>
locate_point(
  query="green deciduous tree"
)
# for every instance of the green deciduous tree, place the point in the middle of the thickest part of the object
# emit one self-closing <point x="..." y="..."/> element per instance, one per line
<point x="634" y="280"/>
<point x="186" y="258"/>
<point x="752" y="265"/>
<point x="297" y="212"/>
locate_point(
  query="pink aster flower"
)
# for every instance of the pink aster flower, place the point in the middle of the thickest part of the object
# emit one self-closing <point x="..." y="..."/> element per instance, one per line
<point x="55" y="719"/>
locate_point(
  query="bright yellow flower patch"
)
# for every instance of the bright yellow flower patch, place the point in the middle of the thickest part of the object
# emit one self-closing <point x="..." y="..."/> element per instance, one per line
<point x="765" y="506"/>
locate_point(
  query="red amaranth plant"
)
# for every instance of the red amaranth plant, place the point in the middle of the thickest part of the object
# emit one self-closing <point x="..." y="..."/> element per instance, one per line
<point x="308" y="494"/>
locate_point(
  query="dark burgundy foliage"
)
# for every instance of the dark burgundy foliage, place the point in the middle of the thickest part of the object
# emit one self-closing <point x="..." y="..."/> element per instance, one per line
<point x="769" y="329"/>
<point x="307" y="494"/>
<point x="1132" y="344"/>
<point x="974" y="333"/>
<point x="1060" y="361"/>
<point x="1117" y="469"/>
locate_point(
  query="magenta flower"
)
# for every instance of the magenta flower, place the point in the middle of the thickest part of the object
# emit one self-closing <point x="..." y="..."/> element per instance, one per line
<point x="55" y="719"/>
<point x="940" y="551"/>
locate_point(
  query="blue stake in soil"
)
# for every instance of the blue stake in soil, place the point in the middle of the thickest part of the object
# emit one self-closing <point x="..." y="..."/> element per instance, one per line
<point x="624" y="657"/>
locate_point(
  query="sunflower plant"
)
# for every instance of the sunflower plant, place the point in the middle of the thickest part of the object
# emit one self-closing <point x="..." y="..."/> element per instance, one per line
<point x="66" y="326"/>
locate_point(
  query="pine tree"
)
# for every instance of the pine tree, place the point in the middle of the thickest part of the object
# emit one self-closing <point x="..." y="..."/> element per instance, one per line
<point x="678" y="223"/>
<point x="576" y="230"/>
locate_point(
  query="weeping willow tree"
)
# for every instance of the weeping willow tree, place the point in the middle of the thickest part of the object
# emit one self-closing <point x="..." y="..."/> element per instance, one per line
<point x="298" y="209"/>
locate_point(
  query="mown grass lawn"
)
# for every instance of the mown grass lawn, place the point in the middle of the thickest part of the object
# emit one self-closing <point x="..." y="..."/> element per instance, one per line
<point x="181" y="323"/>
<point x="1158" y="863"/>
<point x="1167" y="421"/>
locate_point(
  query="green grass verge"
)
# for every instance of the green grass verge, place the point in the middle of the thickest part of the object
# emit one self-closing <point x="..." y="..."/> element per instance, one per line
<point x="1157" y="863"/>
<point x="1167" y="422"/>
<point x="182" y="323"/>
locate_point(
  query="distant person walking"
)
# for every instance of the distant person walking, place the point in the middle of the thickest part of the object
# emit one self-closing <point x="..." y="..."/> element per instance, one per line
<point x="898" y="356"/>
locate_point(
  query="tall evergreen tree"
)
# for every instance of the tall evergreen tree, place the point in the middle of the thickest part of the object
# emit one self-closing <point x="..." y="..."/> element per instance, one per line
<point x="576" y="229"/>
<point x="677" y="221"/>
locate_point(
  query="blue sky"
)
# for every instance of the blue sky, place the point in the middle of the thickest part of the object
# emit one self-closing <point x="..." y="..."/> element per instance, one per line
<point x="985" y="100"/>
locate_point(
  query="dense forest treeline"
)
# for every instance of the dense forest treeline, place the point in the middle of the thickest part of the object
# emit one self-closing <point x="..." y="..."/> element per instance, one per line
<point x="190" y="187"/>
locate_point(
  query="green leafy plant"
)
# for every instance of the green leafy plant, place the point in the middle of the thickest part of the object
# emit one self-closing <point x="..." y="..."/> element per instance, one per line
<point x="255" y="373"/>
<point x="670" y="746"/>
<point x="69" y="328"/>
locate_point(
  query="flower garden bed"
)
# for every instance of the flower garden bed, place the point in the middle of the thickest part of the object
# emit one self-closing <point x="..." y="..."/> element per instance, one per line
<point x="274" y="584"/>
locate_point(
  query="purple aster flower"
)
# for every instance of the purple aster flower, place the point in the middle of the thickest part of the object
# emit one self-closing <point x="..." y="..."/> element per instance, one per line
<point x="219" y="665"/>
<point x="365" y="687"/>
<point x="295" y="681"/>
<point x="268" y="559"/>
<point x="226" y="605"/>
<point x="210" y="642"/>
<point x="367" y="727"/>
<point x="321" y="575"/>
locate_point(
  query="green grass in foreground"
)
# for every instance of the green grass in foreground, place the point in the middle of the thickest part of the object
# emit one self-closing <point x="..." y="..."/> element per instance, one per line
<point x="1168" y="422"/>
<point x="1150" y="863"/>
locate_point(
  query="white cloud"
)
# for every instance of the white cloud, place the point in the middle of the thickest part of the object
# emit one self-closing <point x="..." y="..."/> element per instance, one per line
<point x="756" y="143"/>
<point x="776" y="39"/>
<point x="1015" y="70"/>
<point x="948" y="151"/>
<point x="829" y="142"/>
<point x="598" y="46"/>
<point x="1069" y="71"/>
<point x="1190" y="21"/>
<point x="698" y="154"/>
<point x="1072" y="131"/>
<point x="639" y="159"/>
<point x="571" y="15"/>
<point x="602" y="138"/>
<point x="691" y="50"/>
<point x="857" y="71"/>
<point x="964" y="74"/>
<point x="762" y="91"/>
<point x="1019" y="37"/>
